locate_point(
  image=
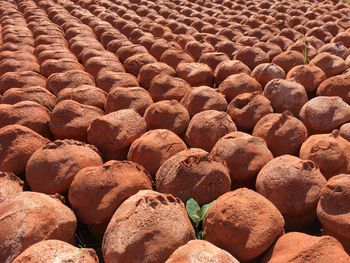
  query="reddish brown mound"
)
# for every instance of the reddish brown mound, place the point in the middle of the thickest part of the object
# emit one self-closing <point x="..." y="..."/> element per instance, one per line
<point x="344" y="131"/>
<point x="10" y="185"/>
<point x="330" y="64"/>
<point x="167" y="114"/>
<point x="255" y="220"/>
<point x="228" y="68"/>
<point x="17" y="144"/>
<point x="336" y="86"/>
<point x="200" y="251"/>
<point x="71" y="119"/>
<point x="288" y="60"/>
<point x="285" y="181"/>
<point x="113" y="182"/>
<point x="149" y="71"/>
<point x="153" y="148"/>
<point x="148" y="227"/>
<point x="30" y="217"/>
<point x="265" y="72"/>
<point x="135" y="98"/>
<point x="52" y="168"/>
<point x="330" y="152"/>
<point x="209" y="124"/>
<point x="113" y="133"/>
<point x="23" y="79"/>
<point x="107" y="80"/>
<point x="56" y="250"/>
<point x="194" y="174"/>
<point x="252" y="56"/>
<point x="237" y="84"/>
<point x="299" y="247"/>
<point x="195" y="74"/>
<point x="283" y="133"/>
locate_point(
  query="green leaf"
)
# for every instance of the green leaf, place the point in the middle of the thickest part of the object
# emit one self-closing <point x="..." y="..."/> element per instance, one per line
<point x="193" y="211"/>
<point x="199" y="235"/>
<point x="204" y="210"/>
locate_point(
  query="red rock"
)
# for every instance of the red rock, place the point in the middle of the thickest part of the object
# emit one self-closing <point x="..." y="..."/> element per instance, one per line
<point x="107" y="80"/>
<point x="252" y="56"/>
<point x="237" y="84"/>
<point x="17" y="144"/>
<point x="209" y="124"/>
<point x="71" y="119"/>
<point x="255" y="220"/>
<point x="96" y="65"/>
<point x="52" y="66"/>
<point x="154" y="147"/>
<point x="299" y="247"/>
<point x="52" y="168"/>
<point x="10" y="185"/>
<point x="336" y="86"/>
<point x="286" y="181"/>
<point x="198" y="251"/>
<point x="228" y="68"/>
<point x="174" y="57"/>
<point x="113" y="133"/>
<point x="344" y="131"/>
<point x="56" y="250"/>
<point x="288" y="60"/>
<point x="97" y="192"/>
<point x="193" y="173"/>
<point x="23" y="79"/>
<point x="213" y="59"/>
<point x="323" y="114"/>
<point x="285" y="95"/>
<point x="30" y="217"/>
<point x="160" y="223"/>
<point x="149" y="71"/>
<point x="330" y="64"/>
<point x="135" y="98"/>
<point x="265" y="72"/>
<point x="330" y="152"/>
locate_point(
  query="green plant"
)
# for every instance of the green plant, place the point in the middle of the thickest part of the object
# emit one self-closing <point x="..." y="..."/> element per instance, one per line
<point x="305" y="51"/>
<point x="197" y="215"/>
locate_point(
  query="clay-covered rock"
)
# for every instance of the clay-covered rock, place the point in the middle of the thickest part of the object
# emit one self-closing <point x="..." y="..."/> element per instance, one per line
<point x="147" y="227"/>
<point x="323" y="114"/>
<point x="26" y="113"/>
<point x="193" y="173"/>
<point x="244" y="156"/>
<point x="113" y="133"/>
<point x="237" y="84"/>
<point x="154" y="147"/>
<point x="134" y="63"/>
<point x="200" y="251"/>
<point x="167" y="114"/>
<point x="10" y="185"/>
<point x="50" y="251"/>
<point x="30" y="217"/>
<point x="107" y="80"/>
<point x="68" y="79"/>
<point x="36" y="94"/>
<point x="265" y="72"/>
<point x="252" y="56"/>
<point x="84" y="94"/>
<point x="283" y="133"/>
<point x="256" y="222"/>
<point x="135" y="98"/>
<point x="96" y="65"/>
<point x="70" y="120"/>
<point x="165" y="87"/>
<point x="286" y="181"/>
<point x="195" y="74"/>
<point x="332" y="209"/>
<point x="203" y="98"/>
<point x="17" y="144"/>
<point x="310" y="76"/>
<point x="299" y="247"/>
<point x="285" y="95"/>
<point x="344" y="131"/>
<point x="336" y="86"/>
<point x="97" y="192"/>
<point x="52" y="66"/>
<point x="228" y="68"/>
<point x="330" y="64"/>
<point x="149" y="71"/>
<point x="288" y="60"/>
<point x="23" y="79"/>
<point x="211" y="125"/>
<point x="52" y="168"/>
<point x="330" y="152"/>
<point x="213" y="59"/>
<point x="247" y="109"/>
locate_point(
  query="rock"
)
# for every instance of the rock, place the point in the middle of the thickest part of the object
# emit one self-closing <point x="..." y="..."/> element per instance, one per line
<point x="10" y="185"/>
<point x="30" y="217"/>
<point x="148" y="227"/>
<point x="52" y="168"/>
<point x="256" y="222"/>
<point x="299" y="247"/>
<point x="97" y="192"/>
<point x="344" y="131"/>
<point x="50" y="251"/>
<point x="211" y="125"/>
<point x="154" y="147"/>
<point x="195" y="74"/>
<point x="17" y="144"/>
<point x="294" y="186"/>
<point x="193" y="173"/>
<point x="149" y="71"/>
<point x="330" y="64"/>
<point x="107" y="80"/>
<point x="200" y="251"/>
<point x="336" y="86"/>
<point x="228" y="68"/>
<point x="265" y="72"/>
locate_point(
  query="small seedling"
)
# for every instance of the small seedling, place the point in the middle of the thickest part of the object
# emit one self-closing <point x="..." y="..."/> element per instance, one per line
<point x="197" y="215"/>
<point x="305" y="51"/>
